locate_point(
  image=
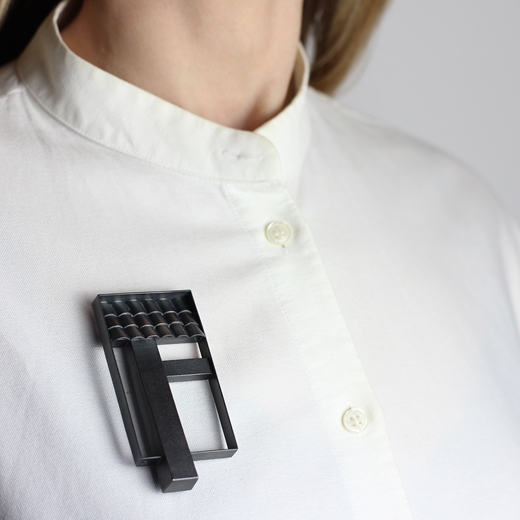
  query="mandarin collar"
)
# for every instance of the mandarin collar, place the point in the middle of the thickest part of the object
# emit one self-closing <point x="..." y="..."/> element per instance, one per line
<point x="123" y="117"/>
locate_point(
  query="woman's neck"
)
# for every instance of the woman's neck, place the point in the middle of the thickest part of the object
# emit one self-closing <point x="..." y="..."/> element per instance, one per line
<point x="229" y="61"/>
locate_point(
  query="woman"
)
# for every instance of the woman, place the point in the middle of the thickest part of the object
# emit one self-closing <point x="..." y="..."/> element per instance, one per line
<point x="360" y="290"/>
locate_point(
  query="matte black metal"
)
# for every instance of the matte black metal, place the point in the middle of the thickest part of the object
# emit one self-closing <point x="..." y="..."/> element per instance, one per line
<point x="176" y="470"/>
<point x="135" y="323"/>
<point x="188" y="369"/>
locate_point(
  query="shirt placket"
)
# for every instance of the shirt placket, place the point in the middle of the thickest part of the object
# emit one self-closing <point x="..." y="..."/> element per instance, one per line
<point x="352" y="416"/>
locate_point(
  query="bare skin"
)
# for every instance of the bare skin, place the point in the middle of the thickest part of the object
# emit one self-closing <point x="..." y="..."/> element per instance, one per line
<point x="229" y="61"/>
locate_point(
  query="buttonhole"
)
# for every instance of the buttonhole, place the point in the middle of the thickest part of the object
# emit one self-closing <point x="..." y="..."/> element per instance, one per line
<point x="228" y="154"/>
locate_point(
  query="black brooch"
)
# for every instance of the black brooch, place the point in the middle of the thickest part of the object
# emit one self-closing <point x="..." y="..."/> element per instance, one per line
<point x="131" y="327"/>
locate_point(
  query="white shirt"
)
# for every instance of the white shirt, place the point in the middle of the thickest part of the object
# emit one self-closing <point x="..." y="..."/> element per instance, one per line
<point x="398" y="295"/>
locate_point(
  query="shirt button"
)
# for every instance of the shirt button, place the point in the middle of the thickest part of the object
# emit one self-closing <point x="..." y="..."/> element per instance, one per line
<point x="278" y="233"/>
<point x="354" y="420"/>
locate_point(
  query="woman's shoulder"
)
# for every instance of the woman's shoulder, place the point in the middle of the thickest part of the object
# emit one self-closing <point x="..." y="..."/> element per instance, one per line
<point x="370" y="135"/>
<point x="391" y="158"/>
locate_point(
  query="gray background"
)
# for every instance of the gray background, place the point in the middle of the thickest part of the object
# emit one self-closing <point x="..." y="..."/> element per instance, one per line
<point x="448" y="72"/>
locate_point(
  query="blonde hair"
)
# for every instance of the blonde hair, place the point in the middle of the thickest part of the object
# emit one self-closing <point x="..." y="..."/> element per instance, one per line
<point x="3" y="8"/>
<point x="339" y="30"/>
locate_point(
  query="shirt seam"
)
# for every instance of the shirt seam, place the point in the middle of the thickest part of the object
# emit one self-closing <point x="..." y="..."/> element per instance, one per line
<point x="16" y="90"/>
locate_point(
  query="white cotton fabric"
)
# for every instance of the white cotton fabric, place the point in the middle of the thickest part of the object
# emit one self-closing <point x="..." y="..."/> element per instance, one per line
<point x="399" y="294"/>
